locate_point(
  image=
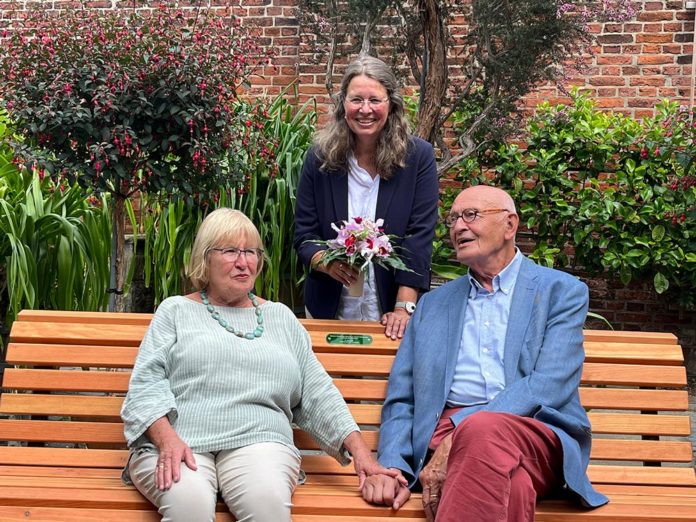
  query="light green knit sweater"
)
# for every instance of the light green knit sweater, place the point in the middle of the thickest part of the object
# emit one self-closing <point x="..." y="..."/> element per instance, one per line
<point x="223" y="392"/>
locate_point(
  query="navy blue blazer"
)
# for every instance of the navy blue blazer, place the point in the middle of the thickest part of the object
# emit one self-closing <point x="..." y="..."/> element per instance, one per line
<point x="543" y="359"/>
<point x="408" y="204"/>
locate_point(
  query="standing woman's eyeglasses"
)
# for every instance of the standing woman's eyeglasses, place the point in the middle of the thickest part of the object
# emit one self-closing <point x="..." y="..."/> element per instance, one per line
<point x="372" y="102"/>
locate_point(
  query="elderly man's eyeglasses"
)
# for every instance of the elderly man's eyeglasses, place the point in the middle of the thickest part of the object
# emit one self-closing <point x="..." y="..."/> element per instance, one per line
<point x="232" y="253"/>
<point x="357" y="102"/>
<point x="470" y="214"/>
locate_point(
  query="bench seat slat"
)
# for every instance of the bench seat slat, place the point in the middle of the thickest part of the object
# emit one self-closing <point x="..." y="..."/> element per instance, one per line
<point x="642" y="450"/>
<point x="109" y="408"/>
<point x="627" y="423"/>
<point x="96" y="356"/>
<point x="634" y="375"/>
<point x="62" y="431"/>
<point x="633" y="353"/>
<point x="63" y="457"/>
<point x="67" y="380"/>
<point x="684" y="476"/>
<point x="634" y="399"/>
<point x="117" y="381"/>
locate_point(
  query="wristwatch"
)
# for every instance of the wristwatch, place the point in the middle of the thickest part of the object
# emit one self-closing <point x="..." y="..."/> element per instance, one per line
<point x="409" y="306"/>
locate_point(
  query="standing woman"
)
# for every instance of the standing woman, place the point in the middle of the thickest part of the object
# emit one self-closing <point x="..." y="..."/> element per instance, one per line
<point x="364" y="163"/>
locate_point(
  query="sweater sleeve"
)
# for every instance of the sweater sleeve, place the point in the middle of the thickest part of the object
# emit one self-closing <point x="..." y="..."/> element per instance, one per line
<point x="149" y="395"/>
<point x="321" y="412"/>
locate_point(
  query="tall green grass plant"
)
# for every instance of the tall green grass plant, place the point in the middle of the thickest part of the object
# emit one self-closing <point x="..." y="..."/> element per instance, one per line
<point x="266" y="194"/>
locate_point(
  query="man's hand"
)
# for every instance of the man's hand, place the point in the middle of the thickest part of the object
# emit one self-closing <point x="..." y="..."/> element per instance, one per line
<point x="432" y="477"/>
<point x="386" y="490"/>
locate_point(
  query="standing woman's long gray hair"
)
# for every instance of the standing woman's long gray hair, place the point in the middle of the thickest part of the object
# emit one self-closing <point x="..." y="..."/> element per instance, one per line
<point x="336" y="141"/>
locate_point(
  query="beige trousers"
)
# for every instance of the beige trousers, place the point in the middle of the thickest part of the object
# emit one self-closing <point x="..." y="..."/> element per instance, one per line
<point x="256" y="482"/>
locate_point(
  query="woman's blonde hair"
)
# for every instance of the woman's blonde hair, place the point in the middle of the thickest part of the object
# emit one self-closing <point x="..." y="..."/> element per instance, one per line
<point x="221" y="228"/>
<point x="336" y="141"/>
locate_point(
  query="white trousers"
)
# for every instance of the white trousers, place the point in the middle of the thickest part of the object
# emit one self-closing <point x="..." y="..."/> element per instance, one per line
<point x="256" y="482"/>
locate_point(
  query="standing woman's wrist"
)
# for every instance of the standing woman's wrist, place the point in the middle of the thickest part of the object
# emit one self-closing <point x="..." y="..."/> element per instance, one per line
<point x="315" y="262"/>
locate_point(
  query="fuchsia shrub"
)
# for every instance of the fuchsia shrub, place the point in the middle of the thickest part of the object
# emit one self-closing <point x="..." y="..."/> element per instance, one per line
<point x="126" y="101"/>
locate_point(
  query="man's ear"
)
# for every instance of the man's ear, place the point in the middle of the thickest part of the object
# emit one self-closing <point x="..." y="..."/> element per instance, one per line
<point x="512" y="222"/>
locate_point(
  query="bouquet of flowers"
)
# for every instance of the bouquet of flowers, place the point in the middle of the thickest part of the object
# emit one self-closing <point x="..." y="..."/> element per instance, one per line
<point x="359" y="242"/>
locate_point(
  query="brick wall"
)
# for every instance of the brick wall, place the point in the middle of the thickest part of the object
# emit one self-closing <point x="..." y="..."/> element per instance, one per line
<point x="634" y="65"/>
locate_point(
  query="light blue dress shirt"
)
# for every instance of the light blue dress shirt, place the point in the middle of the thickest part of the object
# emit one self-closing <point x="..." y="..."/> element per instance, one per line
<point x="479" y="375"/>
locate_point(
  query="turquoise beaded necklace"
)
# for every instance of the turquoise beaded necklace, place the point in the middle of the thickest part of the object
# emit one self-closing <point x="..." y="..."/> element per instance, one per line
<point x="258" y="331"/>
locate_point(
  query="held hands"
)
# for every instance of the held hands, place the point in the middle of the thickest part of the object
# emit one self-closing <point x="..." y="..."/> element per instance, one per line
<point x="432" y="477"/>
<point x="386" y="489"/>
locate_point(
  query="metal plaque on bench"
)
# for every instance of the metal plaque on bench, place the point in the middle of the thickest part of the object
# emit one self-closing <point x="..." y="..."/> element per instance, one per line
<point x="342" y="338"/>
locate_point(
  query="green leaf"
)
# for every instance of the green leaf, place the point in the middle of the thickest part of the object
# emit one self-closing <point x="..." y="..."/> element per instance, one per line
<point x="661" y="283"/>
<point x="658" y="233"/>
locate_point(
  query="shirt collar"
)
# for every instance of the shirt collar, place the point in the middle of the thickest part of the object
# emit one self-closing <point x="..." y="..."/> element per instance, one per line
<point x="504" y="281"/>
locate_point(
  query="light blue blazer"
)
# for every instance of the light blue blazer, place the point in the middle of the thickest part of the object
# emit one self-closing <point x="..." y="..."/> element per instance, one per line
<point x="543" y="360"/>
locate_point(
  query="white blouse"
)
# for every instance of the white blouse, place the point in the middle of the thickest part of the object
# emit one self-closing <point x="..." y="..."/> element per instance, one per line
<point x="362" y="201"/>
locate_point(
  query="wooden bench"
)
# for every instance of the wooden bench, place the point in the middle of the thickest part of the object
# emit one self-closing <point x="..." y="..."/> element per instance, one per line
<point x="61" y="402"/>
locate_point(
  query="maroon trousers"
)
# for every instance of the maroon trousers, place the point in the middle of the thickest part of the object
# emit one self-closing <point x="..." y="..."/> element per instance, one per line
<point x="498" y="466"/>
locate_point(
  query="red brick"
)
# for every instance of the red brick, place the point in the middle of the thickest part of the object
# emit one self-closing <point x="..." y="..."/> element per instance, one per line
<point x="655" y="16"/>
<point x="607" y="92"/>
<point x="615" y="39"/>
<point x="641" y="102"/>
<point x="652" y="28"/>
<point x="614" y="60"/>
<point x="643" y="113"/>
<point x="607" y="80"/>
<point x="647" y="91"/>
<point x="655" y="59"/>
<point x="611" y="71"/>
<point x="655" y="81"/>
<point x="655" y="38"/>
<point x="628" y="92"/>
<point x="608" y="103"/>
<point x="672" y="49"/>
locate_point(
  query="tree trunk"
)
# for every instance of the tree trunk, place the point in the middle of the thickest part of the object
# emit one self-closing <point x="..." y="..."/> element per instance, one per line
<point x="434" y="70"/>
<point x="118" y="269"/>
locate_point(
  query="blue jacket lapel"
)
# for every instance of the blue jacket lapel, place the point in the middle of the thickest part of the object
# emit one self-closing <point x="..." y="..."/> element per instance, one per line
<point x="521" y="310"/>
<point x="455" y="324"/>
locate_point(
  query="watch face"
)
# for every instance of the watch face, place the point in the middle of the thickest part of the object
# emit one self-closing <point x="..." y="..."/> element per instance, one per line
<point x="410" y="307"/>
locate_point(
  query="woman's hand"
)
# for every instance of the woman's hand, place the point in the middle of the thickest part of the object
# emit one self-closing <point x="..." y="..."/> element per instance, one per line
<point x="172" y="451"/>
<point x="386" y="490"/>
<point x="364" y="463"/>
<point x="342" y="272"/>
<point x="395" y="323"/>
